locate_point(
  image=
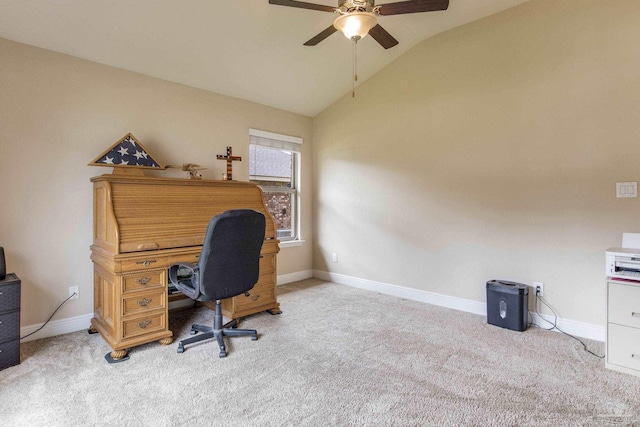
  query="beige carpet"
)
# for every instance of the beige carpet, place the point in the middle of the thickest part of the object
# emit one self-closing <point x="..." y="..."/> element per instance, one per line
<point x="336" y="356"/>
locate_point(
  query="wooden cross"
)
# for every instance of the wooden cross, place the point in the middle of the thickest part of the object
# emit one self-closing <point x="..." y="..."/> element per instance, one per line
<point x="229" y="158"/>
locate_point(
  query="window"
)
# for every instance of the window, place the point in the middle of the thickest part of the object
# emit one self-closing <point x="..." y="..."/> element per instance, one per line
<point x="274" y="166"/>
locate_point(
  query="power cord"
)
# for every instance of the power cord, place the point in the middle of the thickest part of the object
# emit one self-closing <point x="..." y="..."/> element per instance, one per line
<point x="554" y="325"/>
<point x="50" y="317"/>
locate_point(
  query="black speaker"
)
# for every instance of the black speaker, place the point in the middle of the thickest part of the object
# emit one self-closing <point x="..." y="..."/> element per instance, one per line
<point x="3" y="266"/>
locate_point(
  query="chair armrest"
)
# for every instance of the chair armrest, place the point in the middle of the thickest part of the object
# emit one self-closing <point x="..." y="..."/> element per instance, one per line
<point x="190" y="286"/>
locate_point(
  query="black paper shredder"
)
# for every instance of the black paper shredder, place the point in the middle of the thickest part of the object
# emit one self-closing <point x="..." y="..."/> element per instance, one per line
<point x="507" y="304"/>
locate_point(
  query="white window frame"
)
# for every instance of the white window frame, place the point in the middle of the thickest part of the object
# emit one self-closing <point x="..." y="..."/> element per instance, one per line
<point x="294" y="145"/>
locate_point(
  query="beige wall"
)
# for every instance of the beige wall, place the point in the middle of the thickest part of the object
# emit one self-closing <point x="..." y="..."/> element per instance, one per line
<point x="490" y="151"/>
<point x="57" y="113"/>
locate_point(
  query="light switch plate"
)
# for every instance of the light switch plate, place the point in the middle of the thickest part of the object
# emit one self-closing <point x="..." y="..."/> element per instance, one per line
<point x="626" y="189"/>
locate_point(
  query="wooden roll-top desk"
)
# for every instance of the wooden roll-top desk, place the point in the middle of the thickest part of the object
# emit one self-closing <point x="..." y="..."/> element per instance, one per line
<point x="141" y="226"/>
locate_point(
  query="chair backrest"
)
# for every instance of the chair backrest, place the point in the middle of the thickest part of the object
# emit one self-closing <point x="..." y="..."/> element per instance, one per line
<point x="230" y="259"/>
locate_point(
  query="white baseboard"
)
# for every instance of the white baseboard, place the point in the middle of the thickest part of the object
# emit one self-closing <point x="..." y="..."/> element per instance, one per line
<point x="294" y="277"/>
<point x="573" y="327"/>
<point x="56" y="327"/>
<point x="403" y="292"/>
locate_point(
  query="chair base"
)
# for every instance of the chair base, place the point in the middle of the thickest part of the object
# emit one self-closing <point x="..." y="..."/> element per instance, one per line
<point x="218" y="331"/>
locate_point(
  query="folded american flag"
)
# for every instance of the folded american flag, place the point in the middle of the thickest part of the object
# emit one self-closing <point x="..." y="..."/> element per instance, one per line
<point x="126" y="152"/>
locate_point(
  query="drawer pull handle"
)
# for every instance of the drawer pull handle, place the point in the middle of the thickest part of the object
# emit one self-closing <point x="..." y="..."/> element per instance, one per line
<point x="144" y="280"/>
<point x="144" y="324"/>
<point x="144" y="302"/>
<point x="255" y="297"/>
<point x="635" y="356"/>
<point x="146" y="262"/>
<point x="144" y="246"/>
<point x="635" y="314"/>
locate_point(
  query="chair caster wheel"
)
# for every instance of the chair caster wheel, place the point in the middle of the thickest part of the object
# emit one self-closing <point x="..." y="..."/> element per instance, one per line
<point x="222" y="354"/>
<point x="254" y="337"/>
<point x="180" y="348"/>
<point x="193" y="332"/>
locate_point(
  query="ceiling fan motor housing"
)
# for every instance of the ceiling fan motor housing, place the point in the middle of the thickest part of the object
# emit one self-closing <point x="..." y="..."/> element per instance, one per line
<point x="348" y="6"/>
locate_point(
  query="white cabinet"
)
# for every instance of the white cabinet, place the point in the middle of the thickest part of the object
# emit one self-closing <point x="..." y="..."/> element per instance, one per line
<point x="623" y="327"/>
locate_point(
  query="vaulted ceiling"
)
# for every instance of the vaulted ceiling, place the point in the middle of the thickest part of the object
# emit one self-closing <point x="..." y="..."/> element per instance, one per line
<point x="247" y="49"/>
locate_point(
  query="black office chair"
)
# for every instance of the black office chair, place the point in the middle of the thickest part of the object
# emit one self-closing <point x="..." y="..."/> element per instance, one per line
<point x="228" y="266"/>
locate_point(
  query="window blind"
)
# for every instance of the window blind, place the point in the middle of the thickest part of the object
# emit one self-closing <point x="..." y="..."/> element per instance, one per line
<point x="275" y="140"/>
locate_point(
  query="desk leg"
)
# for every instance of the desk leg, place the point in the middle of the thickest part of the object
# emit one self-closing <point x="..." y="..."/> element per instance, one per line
<point x="118" y="354"/>
<point x="166" y="341"/>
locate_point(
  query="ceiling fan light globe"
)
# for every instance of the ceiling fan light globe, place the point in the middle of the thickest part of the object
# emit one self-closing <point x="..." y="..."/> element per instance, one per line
<point x="355" y="24"/>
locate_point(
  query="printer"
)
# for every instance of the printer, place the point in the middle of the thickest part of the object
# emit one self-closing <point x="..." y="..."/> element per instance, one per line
<point x="623" y="263"/>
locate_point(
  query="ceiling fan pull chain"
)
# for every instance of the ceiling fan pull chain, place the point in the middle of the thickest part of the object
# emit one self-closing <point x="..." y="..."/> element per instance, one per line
<point x="355" y="65"/>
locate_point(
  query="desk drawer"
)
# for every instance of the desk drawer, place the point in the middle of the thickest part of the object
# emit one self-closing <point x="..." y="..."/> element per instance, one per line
<point x="147" y="263"/>
<point x="151" y="279"/>
<point x="9" y="353"/>
<point x="624" y="304"/>
<point x="9" y="326"/>
<point x="144" y="302"/>
<point x="184" y="258"/>
<point x="623" y="346"/>
<point x="144" y="325"/>
<point x="10" y="297"/>
<point x="262" y="293"/>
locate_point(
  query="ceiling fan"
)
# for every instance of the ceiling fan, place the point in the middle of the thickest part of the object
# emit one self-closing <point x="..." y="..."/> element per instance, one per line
<point x="360" y="17"/>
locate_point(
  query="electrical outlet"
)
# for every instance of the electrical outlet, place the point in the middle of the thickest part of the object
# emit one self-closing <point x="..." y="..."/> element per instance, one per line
<point x="539" y="287"/>
<point x="334" y="257"/>
<point x="74" y="290"/>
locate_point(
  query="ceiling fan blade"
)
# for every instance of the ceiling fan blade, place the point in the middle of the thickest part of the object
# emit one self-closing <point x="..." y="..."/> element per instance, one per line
<point x="413" y="6"/>
<point x="323" y="35"/>
<point x="381" y="35"/>
<point x="303" y="5"/>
